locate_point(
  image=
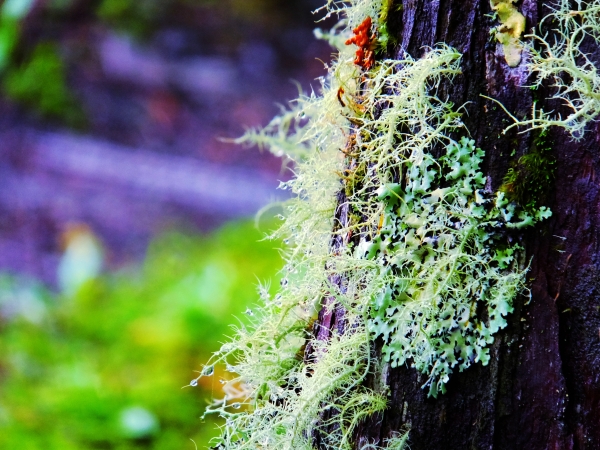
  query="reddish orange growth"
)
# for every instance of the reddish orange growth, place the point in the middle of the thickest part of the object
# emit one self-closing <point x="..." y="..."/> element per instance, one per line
<point x="365" y="42"/>
<point x="339" y="96"/>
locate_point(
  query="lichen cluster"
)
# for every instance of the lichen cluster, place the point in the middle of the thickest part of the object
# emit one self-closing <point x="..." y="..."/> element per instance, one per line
<point x="452" y="278"/>
<point x="420" y="256"/>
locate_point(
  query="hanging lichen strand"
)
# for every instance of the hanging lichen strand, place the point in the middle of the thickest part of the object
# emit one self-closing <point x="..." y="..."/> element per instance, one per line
<point x="424" y="258"/>
<point x="556" y="57"/>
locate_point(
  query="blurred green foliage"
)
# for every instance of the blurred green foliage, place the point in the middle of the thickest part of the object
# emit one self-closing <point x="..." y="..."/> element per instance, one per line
<point x="40" y="83"/>
<point x="103" y="368"/>
<point x="139" y="18"/>
<point x="11" y="14"/>
<point x="39" y="80"/>
<point x="33" y="72"/>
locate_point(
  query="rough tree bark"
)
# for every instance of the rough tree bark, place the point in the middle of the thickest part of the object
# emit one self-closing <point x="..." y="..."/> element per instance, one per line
<point x="541" y="389"/>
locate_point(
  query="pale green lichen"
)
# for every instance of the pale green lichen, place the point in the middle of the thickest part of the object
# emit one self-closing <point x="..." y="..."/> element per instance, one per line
<point x="556" y="56"/>
<point x="425" y="252"/>
<point x="287" y="397"/>
<point x="353" y="12"/>
<point x="512" y="26"/>
<point x="452" y="279"/>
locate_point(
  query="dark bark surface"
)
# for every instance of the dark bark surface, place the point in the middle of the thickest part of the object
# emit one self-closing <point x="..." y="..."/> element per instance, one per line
<point x="541" y="389"/>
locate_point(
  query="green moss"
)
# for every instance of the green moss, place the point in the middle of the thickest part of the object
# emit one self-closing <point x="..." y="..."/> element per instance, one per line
<point x="530" y="179"/>
<point x="384" y="40"/>
<point x="353" y="178"/>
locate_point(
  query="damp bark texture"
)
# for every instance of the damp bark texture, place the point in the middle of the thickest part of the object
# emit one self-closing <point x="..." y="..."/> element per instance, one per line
<point x="541" y="389"/>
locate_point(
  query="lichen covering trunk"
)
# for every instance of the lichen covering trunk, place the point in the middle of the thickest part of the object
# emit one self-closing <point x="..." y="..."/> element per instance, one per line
<point x="428" y="295"/>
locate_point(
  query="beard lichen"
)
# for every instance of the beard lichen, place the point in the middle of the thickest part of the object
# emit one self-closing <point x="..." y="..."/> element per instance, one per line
<point x="556" y="57"/>
<point x="422" y="259"/>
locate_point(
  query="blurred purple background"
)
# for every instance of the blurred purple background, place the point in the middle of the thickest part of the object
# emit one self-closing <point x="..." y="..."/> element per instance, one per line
<point x="152" y="86"/>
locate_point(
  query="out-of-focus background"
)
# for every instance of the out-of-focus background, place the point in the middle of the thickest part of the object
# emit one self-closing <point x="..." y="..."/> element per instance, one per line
<point x="127" y="244"/>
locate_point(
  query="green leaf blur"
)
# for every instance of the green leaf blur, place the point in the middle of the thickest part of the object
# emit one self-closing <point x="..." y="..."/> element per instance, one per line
<point x="40" y="82"/>
<point x="104" y="368"/>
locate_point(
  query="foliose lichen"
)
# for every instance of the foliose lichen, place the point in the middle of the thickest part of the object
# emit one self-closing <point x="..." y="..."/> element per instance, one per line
<point x="451" y="276"/>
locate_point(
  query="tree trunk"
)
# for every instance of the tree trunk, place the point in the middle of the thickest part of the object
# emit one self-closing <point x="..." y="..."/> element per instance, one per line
<point x="541" y="389"/>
